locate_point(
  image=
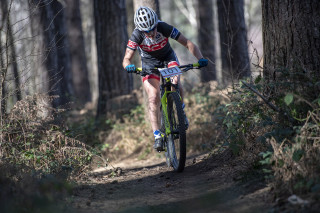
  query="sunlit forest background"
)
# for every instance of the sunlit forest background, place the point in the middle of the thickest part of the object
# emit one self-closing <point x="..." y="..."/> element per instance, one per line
<point x="76" y="25"/>
<point x="68" y="106"/>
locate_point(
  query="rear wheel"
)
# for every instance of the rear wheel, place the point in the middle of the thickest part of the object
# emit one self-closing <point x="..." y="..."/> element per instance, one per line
<point x="176" y="141"/>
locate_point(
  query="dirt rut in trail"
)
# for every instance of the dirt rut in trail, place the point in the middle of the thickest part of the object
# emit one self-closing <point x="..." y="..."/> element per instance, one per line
<point x="206" y="185"/>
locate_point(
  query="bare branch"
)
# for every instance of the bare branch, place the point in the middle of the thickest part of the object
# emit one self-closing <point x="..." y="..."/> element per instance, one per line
<point x="188" y="11"/>
<point x="262" y="97"/>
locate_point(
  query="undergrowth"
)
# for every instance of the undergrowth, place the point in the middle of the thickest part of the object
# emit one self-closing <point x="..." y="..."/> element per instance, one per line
<point x="37" y="156"/>
<point x="130" y="135"/>
<point x="204" y="133"/>
<point x="277" y="123"/>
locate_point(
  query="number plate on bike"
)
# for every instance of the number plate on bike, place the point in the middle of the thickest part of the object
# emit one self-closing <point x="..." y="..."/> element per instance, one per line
<point x="169" y="72"/>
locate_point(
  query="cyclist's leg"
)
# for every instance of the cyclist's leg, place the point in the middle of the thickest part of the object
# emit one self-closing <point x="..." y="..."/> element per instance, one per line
<point x="176" y="79"/>
<point x="151" y="85"/>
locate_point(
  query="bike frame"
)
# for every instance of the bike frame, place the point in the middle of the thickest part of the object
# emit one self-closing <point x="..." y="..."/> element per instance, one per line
<point x="166" y="86"/>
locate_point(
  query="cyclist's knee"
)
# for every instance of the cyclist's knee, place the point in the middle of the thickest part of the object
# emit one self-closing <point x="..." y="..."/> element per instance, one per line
<point x="154" y="100"/>
<point x="175" y="80"/>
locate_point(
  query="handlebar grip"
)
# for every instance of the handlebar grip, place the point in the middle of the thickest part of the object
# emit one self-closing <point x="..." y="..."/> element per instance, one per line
<point x="196" y="65"/>
<point x="138" y="69"/>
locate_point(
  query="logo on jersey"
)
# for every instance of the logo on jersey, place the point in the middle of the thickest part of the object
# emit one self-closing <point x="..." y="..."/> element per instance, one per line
<point x="132" y="45"/>
<point x="149" y="46"/>
<point x="174" y="33"/>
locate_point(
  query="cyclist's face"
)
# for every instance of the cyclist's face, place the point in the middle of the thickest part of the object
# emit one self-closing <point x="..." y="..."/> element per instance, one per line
<point x="152" y="33"/>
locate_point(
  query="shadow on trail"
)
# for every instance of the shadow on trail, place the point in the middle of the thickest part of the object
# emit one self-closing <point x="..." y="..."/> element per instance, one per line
<point x="218" y="201"/>
<point x="202" y="187"/>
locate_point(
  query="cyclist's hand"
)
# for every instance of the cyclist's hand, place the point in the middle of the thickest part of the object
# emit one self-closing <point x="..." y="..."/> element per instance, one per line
<point x="131" y="68"/>
<point x="203" y="62"/>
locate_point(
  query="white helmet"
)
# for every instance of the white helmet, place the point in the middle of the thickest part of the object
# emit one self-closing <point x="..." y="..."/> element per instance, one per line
<point x="145" y="19"/>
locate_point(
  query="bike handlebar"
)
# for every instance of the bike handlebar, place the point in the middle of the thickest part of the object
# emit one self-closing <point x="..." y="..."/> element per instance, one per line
<point x="184" y="68"/>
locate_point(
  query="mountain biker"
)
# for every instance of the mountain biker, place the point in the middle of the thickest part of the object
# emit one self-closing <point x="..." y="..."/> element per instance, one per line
<point x="150" y="37"/>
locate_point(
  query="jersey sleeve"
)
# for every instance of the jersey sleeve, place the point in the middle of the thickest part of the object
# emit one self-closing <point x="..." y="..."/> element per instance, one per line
<point x="135" y="40"/>
<point x="168" y="30"/>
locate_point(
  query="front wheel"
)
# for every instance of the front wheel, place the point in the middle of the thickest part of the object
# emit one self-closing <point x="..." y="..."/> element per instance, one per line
<point x="176" y="141"/>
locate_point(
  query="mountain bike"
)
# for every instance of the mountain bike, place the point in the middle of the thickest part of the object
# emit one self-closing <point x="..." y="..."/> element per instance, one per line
<point x="172" y="114"/>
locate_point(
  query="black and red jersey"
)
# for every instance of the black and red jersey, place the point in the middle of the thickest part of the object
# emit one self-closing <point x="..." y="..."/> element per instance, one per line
<point x="154" y="49"/>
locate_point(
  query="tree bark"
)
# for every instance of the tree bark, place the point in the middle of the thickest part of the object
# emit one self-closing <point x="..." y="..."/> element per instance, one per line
<point x="78" y="56"/>
<point x="137" y="83"/>
<point x="11" y="47"/>
<point x="63" y="54"/>
<point x="41" y="72"/>
<point x="206" y="39"/>
<point x="291" y="36"/>
<point x="3" y="70"/>
<point x="87" y="14"/>
<point x="2" y="80"/>
<point x="111" y="38"/>
<point x="53" y="47"/>
<point x="2" y="91"/>
<point x="153" y="4"/>
<point x="233" y="40"/>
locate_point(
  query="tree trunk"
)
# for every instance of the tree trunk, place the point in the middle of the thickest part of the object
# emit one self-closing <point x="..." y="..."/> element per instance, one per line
<point x="291" y="36"/>
<point x="87" y="14"/>
<point x="2" y="92"/>
<point x="77" y="49"/>
<point x="206" y="39"/>
<point x="153" y="4"/>
<point x="137" y="83"/>
<point x="41" y="72"/>
<point x="2" y="70"/>
<point x="2" y="80"/>
<point x="11" y="47"/>
<point x="53" y="47"/>
<point x="63" y="54"/>
<point x="111" y="38"/>
<point x="233" y="40"/>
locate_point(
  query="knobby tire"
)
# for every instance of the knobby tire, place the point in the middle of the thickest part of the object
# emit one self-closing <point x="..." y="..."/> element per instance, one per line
<point x="176" y="143"/>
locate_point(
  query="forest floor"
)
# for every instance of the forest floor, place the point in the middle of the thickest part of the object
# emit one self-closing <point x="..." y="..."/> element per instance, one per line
<point x="209" y="183"/>
<point x="219" y="182"/>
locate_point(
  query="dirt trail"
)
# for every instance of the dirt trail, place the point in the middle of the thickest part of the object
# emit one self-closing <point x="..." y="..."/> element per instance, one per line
<point x="206" y="185"/>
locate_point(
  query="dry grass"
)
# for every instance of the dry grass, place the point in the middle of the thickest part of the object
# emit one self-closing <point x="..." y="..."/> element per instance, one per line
<point x="297" y="163"/>
<point x="37" y="157"/>
<point x="205" y="132"/>
<point x="33" y="136"/>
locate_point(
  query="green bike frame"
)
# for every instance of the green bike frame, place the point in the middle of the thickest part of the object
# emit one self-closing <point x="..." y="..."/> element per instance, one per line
<point x="164" y="99"/>
<point x="164" y="107"/>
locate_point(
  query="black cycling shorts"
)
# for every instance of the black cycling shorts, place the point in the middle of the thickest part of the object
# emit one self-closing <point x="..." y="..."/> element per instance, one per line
<point x="149" y="63"/>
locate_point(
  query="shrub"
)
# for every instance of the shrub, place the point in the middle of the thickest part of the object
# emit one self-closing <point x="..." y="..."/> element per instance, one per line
<point x="32" y="136"/>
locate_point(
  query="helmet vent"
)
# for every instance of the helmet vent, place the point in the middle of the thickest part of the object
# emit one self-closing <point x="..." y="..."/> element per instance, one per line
<point x="145" y="19"/>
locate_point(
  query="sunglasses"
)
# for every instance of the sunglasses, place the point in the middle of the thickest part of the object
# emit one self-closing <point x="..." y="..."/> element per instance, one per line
<point x="148" y="31"/>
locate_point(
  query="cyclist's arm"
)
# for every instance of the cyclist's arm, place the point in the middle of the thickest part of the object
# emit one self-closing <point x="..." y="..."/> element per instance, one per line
<point x="127" y="57"/>
<point x="194" y="49"/>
